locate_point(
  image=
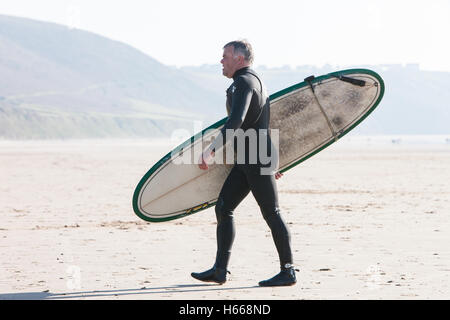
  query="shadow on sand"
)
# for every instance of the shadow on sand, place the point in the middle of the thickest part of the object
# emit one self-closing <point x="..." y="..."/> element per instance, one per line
<point x="182" y="288"/>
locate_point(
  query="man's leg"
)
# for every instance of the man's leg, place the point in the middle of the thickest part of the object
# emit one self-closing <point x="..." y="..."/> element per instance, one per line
<point x="234" y="190"/>
<point x="264" y="190"/>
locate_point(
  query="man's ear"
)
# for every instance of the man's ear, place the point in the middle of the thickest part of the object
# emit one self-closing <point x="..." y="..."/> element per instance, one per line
<point x="241" y="59"/>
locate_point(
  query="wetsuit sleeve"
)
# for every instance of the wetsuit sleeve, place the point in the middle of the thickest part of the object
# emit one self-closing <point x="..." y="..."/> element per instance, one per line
<point x="241" y="99"/>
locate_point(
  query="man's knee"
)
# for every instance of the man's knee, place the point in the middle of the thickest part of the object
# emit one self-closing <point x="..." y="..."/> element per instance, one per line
<point x="222" y="213"/>
<point x="270" y="212"/>
<point x="270" y="209"/>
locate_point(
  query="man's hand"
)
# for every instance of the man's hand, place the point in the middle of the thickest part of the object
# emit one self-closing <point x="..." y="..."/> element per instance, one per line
<point x="278" y="175"/>
<point x="205" y="159"/>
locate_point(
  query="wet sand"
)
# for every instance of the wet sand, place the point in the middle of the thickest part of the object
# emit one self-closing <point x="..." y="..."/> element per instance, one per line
<point x="367" y="221"/>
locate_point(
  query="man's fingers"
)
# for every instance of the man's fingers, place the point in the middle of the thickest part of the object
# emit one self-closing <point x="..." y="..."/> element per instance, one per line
<point x="202" y="163"/>
<point x="278" y="175"/>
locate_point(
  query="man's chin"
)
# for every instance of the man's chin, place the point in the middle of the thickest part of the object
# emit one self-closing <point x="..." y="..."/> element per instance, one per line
<point x="226" y="74"/>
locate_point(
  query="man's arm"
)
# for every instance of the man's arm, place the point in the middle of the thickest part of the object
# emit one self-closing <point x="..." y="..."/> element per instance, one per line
<point x="241" y="99"/>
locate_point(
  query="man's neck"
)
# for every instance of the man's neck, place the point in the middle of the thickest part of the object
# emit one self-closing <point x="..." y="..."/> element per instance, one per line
<point x="241" y="70"/>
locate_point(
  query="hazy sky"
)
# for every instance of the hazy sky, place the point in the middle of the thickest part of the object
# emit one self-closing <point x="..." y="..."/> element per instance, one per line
<point x="283" y="32"/>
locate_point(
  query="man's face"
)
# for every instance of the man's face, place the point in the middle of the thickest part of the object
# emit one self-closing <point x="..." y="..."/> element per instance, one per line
<point x="229" y="62"/>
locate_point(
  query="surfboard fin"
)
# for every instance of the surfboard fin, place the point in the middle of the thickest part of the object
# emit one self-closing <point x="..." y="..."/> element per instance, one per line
<point x="356" y="82"/>
<point x="310" y="79"/>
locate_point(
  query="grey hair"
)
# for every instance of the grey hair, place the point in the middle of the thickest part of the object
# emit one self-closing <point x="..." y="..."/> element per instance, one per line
<point x="242" y="47"/>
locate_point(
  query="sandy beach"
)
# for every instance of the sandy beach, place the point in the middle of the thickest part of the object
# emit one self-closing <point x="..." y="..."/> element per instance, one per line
<point x="367" y="220"/>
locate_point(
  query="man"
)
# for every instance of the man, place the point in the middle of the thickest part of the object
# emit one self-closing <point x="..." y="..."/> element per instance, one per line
<point x="248" y="108"/>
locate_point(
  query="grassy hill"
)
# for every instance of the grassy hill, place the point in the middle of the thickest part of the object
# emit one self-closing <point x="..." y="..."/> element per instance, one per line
<point x="59" y="83"/>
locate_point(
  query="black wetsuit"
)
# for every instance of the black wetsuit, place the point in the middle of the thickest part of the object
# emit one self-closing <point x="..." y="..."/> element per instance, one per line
<point x="249" y="108"/>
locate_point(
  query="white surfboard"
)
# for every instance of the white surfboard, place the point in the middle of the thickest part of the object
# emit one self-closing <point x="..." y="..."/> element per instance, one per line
<point x="310" y="116"/>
